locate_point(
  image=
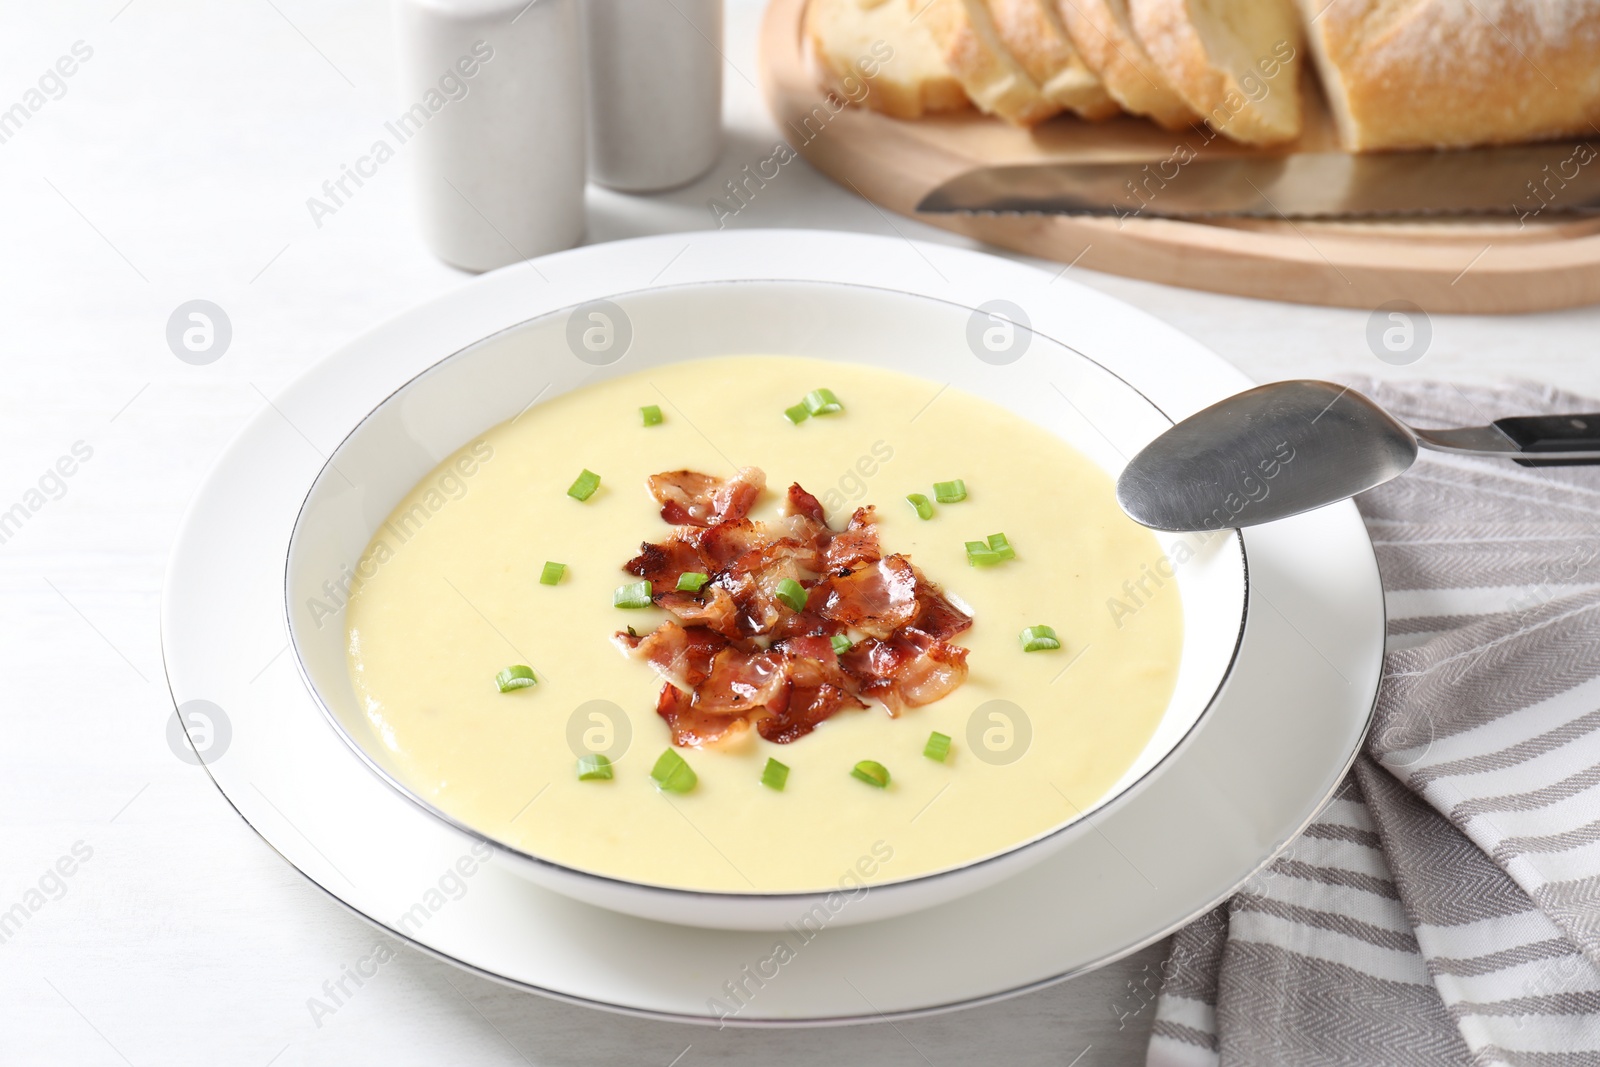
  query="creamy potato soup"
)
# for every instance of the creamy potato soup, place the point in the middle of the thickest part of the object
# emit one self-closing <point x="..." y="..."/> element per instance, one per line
<point x="449" y="595"/>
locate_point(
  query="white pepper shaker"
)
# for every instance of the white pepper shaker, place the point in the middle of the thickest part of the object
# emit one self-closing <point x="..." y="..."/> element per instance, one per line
<point x="493" y="118"/>
<point x="655" y="91"/>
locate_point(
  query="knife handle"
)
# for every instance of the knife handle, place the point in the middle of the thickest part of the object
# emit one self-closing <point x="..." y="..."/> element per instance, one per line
<point x="1553" y="433"/>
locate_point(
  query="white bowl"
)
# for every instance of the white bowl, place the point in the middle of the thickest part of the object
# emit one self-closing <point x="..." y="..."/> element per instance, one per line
<point x="470" y="390"/>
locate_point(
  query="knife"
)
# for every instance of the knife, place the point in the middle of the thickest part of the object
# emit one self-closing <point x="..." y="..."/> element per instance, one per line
<point x="1523" y="181"/>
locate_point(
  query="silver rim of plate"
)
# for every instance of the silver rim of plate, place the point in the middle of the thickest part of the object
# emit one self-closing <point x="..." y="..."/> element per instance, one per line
<point x="1245" y="779"/>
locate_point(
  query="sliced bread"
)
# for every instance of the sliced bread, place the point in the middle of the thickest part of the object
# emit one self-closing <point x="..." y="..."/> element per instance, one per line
<point x="873" y="54"/>
<point x="1452" y="73"/>
<point x="1033" y="32"/>
<point x="1104" y="37"/>
<point x="1236" y="62"/>
<point x="991" y="75"/>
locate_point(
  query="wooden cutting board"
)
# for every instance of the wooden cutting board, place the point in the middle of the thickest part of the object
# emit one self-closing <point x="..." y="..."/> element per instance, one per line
<point x="1441" y="265"/>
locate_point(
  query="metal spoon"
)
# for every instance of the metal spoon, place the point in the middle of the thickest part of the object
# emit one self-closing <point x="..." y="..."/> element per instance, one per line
<point x="1288" y="447"/>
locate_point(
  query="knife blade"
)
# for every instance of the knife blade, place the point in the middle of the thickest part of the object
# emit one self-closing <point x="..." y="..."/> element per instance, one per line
<point x="1523" y="181"/>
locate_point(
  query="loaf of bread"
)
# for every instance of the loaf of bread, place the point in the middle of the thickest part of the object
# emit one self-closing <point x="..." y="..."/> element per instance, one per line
<point x="1236" y="62"/>
<point x="873" y="54"/>
<point x="1101" y="32"/>
<point x="1033" y="32"/>
<point x="1451" y="73"/>
<point x="995" y="81"/>
<point x="1396" y="73"/>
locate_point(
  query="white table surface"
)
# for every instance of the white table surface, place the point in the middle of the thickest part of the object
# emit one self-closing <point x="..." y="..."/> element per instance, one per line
<point x="176" y="166"/>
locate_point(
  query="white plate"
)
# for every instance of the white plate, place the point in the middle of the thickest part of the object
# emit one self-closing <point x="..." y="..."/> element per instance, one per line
<point x="1244" y="782"/>
<point x="438" y="412"/>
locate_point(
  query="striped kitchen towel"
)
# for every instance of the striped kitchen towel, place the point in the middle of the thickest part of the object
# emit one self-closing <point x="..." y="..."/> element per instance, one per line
<point x="1445" y="907"/>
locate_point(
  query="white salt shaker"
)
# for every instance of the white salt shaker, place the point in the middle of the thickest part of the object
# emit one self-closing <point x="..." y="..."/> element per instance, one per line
<point x="655" y="91"/>
<point x="493" y="118"/>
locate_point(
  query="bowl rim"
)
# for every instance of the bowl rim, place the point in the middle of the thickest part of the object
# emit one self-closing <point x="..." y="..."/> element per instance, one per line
<point x="1008" y="853"/>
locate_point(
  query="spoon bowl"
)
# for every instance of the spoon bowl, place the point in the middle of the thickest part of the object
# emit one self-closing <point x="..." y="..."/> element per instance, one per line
<point x="1265" y="454"/>
<point x="1281" y="449"/>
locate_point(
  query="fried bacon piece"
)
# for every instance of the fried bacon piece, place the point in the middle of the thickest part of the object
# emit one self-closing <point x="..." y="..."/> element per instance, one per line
<point x="706" y="549"/>
<point x="889" y="594"/>
<point x="857" y="543"/>
<point x="713" y="608"/>
<point x="909" y="669"/>
<point x="753" y="580"/>
<point x="807" y="527"/>
<point x="804" y="709"/>
<point x="695" y="499"/>
<point x="786" y="691"/>
<point x="806" y="623"/>
<point x="818" y="688"/>
<point x="801" y="503"/>
<point x="663" y="563"/>
<point x="938" y="617"/>
<point x="812" y="661"/>
<point x="722" y="544"/>
<point x="691" y="726"/>
<point x="735" y="654"/>
<point x="877" y="599"/>
<point x="682" y="656"/>
<point x="742" y="682"/>
<point x="761" y="687"/>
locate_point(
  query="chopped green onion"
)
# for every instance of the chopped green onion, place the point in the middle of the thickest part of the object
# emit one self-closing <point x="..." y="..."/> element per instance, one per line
<point x="938" y="746"/>
<point x="822" y="402"/>
<point x="987" y="553"/>
<point x="692" y="581"/>
<point x="792" y="593"/>
<point x="979" y="554"/>
<point x="515" y="677"/>
<point x="633" y="595"/>
<point x="1039" y="639"/>
<point x="872" y="772"/>
<point x="595" y="768"/>
<point x="797" y="414"/>
<point x="651" y="413"/>
<point x="923" y="505"/>
<point x="841" y="644"/>
<point x="950" y="492"/>
<point x="552" y="573"/>
<point x="584" y="487"/>
<point x="672" y="774"/>
<point x="774" y="775"/>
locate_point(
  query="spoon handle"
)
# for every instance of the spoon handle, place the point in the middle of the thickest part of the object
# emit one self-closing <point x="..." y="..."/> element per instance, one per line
<point x="1556" y="434"/>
